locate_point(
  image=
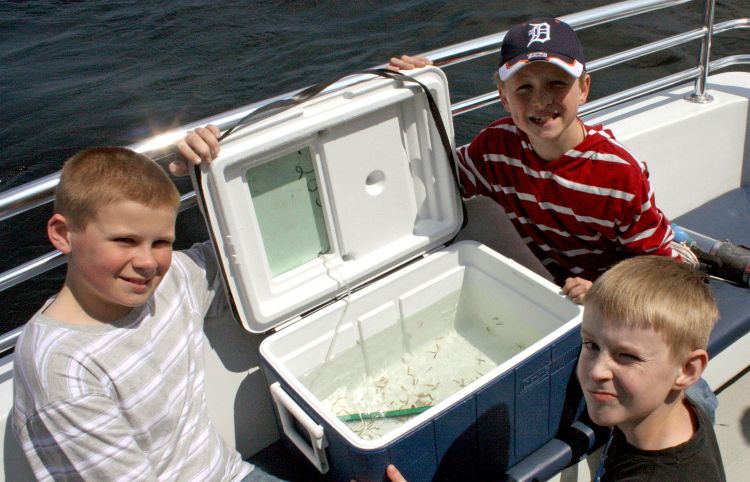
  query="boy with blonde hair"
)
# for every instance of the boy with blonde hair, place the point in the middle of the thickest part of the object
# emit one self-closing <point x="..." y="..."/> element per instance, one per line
<point x="578" y="199"/>
<point x="645" y="329"/>
<point x="109" y="376"/>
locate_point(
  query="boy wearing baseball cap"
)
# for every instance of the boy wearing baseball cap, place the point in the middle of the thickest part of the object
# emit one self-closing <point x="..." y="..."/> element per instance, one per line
<point x="577" y="197"/>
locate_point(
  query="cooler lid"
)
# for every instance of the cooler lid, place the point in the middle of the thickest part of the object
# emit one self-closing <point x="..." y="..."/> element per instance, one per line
<point x="307" y="204"/>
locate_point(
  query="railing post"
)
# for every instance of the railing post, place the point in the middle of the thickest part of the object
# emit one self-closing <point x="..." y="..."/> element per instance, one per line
<point x="699" y="94"/>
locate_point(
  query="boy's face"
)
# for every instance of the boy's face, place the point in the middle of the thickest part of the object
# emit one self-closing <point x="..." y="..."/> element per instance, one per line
<point x="119" y="259"/>
<point x="543" y="101"/>
<point x="628" y="375"/>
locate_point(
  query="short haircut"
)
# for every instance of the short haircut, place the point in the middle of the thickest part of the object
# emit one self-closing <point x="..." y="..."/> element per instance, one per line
<point x="659" y="293"/>
<point x="100" y="176"/>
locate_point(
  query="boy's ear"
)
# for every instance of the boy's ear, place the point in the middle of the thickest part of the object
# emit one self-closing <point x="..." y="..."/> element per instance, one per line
<point x="58" y="232"/>
<point x="503" y="100"/>
<point x="585" y="86"/>
<point x="693" y="365"/>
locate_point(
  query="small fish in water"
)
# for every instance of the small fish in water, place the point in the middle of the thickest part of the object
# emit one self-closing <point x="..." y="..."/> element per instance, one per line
<point x="435" y="353"/>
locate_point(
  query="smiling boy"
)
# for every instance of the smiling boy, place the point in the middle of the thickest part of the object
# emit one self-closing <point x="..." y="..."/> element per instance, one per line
<point x="108" y="374"/>
<point x="579" y="200"/>
<point x="645" y="329"/>
<point x="118" y="260"/>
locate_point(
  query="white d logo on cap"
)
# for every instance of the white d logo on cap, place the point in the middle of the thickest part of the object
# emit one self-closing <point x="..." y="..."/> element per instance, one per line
<point x="539" y="32"/>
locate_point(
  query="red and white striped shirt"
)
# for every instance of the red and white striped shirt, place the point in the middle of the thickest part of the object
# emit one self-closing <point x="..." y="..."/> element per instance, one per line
<point x="579" y="214"/>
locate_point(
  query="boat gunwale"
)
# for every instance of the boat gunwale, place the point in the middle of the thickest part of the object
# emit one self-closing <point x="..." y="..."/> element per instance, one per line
<point x="41" y="191"/>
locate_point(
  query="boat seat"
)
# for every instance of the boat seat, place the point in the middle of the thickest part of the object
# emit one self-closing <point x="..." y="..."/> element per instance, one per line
<point x="726" y="217"/>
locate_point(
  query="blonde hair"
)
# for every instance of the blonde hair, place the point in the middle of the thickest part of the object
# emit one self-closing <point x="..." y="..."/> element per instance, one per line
<point x="658" y="293"/>
<point x="100" y="176"/>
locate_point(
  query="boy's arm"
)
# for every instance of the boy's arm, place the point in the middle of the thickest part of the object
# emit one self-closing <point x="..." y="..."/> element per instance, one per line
<point x="202" y="145"/>
<point x="203" y="269"/>
<point x="83" y="439"/>
<point x="645" y="229"/>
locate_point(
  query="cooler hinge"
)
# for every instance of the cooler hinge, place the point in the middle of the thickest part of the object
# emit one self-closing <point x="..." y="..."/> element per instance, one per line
<point x="286" y="323"/>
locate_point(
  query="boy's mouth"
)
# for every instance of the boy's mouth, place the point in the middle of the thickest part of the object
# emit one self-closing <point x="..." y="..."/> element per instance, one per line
<point x="542" y="119"/>
<point x="135" y="280"/>
<point x="602" y="396"/>
<point x="139" y="282"/>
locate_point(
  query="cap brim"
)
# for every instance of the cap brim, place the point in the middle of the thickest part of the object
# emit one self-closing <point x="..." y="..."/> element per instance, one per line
<point x="572" y="66"/>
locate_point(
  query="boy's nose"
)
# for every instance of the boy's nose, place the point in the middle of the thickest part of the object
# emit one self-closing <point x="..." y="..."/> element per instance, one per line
<point x="599" y="369"/>
<point x="542" y="98"/>
<point x="145" y="260"/>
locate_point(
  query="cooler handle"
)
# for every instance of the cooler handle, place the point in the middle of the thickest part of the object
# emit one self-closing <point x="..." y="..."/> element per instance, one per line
<point x="288" y="408"/>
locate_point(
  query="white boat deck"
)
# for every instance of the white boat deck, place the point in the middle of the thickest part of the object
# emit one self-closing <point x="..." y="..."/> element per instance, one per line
<point x="733" y="428"/>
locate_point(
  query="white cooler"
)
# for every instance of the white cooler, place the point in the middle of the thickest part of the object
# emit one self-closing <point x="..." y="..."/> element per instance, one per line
<point x="333" y="222"/>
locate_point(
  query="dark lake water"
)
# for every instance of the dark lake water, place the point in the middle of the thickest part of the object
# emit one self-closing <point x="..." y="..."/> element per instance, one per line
<point x="77" y="74"/>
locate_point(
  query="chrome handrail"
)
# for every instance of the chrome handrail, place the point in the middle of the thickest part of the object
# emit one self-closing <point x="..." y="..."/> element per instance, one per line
<point x="41" y="191"/>
<point x="699" y="94"/>
<point x="491" y="97"/>
<point x="490" y="44"/>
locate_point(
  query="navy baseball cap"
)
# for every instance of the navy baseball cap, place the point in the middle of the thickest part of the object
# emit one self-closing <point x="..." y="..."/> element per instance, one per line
<point x="546" y="39"/>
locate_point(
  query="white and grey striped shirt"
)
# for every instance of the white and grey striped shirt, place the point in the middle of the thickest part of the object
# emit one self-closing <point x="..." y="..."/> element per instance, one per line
<point x="126" y="401"/>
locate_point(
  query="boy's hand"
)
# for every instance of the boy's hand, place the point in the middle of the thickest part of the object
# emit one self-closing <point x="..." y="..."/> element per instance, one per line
<point x="393" y="474"/>
<point x="406" y="62"/>
<point x="199" y="145"/>
<point x="576" y="288"/>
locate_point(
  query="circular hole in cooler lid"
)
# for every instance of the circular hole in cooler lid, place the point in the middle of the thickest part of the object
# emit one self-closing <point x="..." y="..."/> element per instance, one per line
<point x="375" y="183"/>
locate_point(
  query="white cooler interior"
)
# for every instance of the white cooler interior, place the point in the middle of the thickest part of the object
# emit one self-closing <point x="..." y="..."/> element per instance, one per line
<point x="421" y="336"/>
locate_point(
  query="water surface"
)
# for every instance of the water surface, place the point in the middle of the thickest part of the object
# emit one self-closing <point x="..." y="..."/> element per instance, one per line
<point x="77" y="74"/>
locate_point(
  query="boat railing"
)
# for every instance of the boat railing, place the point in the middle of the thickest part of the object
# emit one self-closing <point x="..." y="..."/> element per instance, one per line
<point x="41" y="191"/>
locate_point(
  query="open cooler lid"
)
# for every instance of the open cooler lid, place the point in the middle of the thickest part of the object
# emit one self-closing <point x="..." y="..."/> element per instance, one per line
<point x="307" y="204"/>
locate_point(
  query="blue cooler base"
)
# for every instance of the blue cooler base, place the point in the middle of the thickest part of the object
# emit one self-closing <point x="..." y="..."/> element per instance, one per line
<point x="478" y="438"/>
<point x="283" y="460"/>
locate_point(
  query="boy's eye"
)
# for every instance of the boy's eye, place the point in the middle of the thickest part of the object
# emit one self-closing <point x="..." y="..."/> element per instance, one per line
<point x="629" y="357"/>
<point x="124" y="241"/>
<point x="163" y="243"/>
<point x="590" y="345"/>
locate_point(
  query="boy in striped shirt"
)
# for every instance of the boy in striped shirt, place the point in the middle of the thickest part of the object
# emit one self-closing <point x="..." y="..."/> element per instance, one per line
<point x="109" y="375"/>
<point x="578" y="198"/>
